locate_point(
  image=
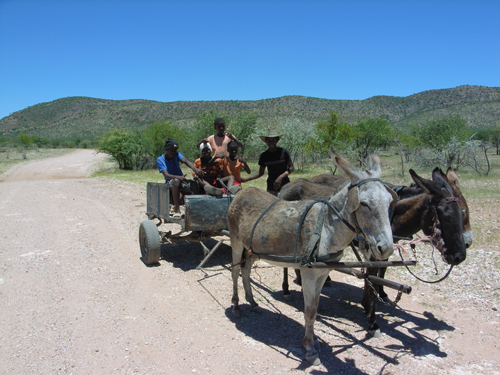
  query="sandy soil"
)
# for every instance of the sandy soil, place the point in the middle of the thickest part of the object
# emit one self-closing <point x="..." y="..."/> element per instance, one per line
<point x="75" y="298"/>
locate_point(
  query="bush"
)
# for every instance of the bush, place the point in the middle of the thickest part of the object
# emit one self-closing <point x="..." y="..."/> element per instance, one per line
<point x="129" y="148"/>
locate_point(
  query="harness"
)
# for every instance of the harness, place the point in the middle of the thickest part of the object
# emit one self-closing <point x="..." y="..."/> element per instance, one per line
<point x="310" y="255"/>
<point x="436" y="239"/>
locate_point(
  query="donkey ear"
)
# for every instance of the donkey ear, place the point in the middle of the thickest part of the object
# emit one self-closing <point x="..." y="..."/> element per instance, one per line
<point x="394" y="196"/>
<point x="374" y="164"/>
<point x="347" y="169"/>
<point x="436" y="173"/>
<point x="452" y="176"/>
<point x="353" y="199"/>
<point x="441" y="180"/>
<point x="427" y="185"/>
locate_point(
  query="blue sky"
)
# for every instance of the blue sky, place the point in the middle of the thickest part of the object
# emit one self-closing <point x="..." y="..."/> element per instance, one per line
<point x="242" y="50"/>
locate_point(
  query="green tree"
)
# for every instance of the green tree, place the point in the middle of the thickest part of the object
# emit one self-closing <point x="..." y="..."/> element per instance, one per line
<point x="129" y="148"/>
<point x="437" y="133"/>
<point x="407" y="144"/>
<point x="25" y="141"/>
<point x="495" y="139"/>
<point x="330" y="132"/>
<point x="370" y="134"/>
<point x="243" y="126"/>
<point x="296" y="136"/>
<point x="157" y="133"/>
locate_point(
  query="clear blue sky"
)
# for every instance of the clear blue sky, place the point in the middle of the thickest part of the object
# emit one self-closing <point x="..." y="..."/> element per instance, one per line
<point x="242" y="50"/>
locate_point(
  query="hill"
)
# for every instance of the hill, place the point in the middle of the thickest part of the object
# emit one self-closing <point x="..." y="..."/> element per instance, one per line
<point x="85" y="117"/>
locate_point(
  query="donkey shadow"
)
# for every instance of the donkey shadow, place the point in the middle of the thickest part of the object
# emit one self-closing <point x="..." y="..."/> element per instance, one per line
<point x="284" y="335"/>
<point x="340" y="311"/>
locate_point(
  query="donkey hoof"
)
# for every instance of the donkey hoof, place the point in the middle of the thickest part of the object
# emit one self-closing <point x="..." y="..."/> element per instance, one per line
<point x="313" y="359"/>
<point x="287" y="297"/>
<point x="236" y="312"/>
<point x="374" y="331"/>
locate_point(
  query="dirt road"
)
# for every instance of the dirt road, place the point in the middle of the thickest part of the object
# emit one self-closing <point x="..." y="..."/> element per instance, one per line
<point x="75" y="298"/>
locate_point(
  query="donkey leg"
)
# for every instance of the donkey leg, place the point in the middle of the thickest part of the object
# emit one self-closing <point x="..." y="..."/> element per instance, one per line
<point x="328" y="281"/>
<point x="312" y="282"/>
<point x="381" y="290"/>
<point x="370" y="303"/>
<point x="235" y="273"/>
<point x="245" y="275"/>
<point x="285" y="286"/>
<point x="298" y="279"/>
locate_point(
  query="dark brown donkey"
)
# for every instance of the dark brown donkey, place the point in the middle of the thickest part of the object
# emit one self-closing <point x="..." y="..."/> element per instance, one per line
<point x="435" y="207"/>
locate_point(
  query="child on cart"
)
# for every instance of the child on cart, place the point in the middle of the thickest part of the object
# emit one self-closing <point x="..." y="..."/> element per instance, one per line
<point x="211" y="170"/>
<point x="231" y="167"/>
<point x="221" y="139"/>
<point x="168" y="165"/>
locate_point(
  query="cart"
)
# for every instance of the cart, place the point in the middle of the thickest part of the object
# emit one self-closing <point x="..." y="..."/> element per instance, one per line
<point x="205" y="216"/>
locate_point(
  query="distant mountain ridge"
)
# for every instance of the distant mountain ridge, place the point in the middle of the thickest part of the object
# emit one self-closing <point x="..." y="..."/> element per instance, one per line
<point x="84" y="117"/>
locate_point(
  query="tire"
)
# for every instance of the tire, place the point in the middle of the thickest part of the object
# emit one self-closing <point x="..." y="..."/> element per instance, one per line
<point x="149" y="239"/>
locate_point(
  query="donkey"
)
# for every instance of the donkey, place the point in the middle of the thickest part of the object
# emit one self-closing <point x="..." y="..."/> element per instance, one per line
<point x="413" y="213"/>
<point x="434" y="203"/>
<point x="299" y="233"/>
<point x="452" y="179"/>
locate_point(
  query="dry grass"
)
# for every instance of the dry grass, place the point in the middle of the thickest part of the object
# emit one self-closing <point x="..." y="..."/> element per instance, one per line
<point x="10" y="157"/>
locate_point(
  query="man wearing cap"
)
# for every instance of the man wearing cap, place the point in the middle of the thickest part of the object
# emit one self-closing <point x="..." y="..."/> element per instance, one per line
<point x="168" y="165"/>
<point x="278" y="162"/>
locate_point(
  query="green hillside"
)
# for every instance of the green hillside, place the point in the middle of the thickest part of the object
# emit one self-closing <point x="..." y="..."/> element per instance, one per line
<point x="85" y="117"/>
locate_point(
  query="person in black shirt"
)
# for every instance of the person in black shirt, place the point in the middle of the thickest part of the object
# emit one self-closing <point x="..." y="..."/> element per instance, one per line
<point x="278" y="162"/>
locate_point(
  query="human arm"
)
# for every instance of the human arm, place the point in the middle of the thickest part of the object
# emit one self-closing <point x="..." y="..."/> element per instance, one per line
<point x="245" y="165"/>
<point x="169" y="176"/>
<point x="290" y="169"/>
<point x="204" y="140"/>
<point x="175" y="173"/>
<point x="198" y="171"/>
<point x="256" y="175"/>
<point x="215" y="158"/>
<point x="233" y="138"/>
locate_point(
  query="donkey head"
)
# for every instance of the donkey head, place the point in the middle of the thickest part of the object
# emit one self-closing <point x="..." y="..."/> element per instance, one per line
<point x="452" y="178"/>
<point x="446" y="220"/>
<point x="368" y="203"/>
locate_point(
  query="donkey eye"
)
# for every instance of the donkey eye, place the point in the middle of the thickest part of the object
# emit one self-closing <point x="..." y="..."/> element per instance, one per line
<point x="364" y="204"/>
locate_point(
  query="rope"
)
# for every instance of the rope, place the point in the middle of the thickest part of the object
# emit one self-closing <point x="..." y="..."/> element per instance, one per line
<point x="413" y="242"/>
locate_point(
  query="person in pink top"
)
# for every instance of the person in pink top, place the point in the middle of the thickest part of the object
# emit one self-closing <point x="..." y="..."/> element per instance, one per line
<point x="220" y="140"/>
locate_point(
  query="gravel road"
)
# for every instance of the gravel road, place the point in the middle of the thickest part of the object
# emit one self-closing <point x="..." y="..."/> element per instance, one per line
<point x="75" y="298"/>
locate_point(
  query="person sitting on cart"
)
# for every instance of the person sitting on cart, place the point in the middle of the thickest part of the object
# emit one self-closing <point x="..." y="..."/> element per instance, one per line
<point x="210" y="167"/>
<point x="168" y="165"/>
<point x="278" y="162"/>
<point x="213" y="172"/>
<point x="221" y="139"/>
<point x="232" y="166"/>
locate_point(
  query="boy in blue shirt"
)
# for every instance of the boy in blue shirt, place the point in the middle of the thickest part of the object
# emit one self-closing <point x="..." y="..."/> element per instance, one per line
<point x="168" y="165"/>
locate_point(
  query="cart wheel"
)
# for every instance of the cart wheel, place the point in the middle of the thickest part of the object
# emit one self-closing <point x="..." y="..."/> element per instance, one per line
<point x="149" y="239"/>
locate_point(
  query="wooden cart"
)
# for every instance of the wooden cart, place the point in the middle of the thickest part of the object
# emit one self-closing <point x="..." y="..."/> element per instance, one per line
<point x="205" y="216"/>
